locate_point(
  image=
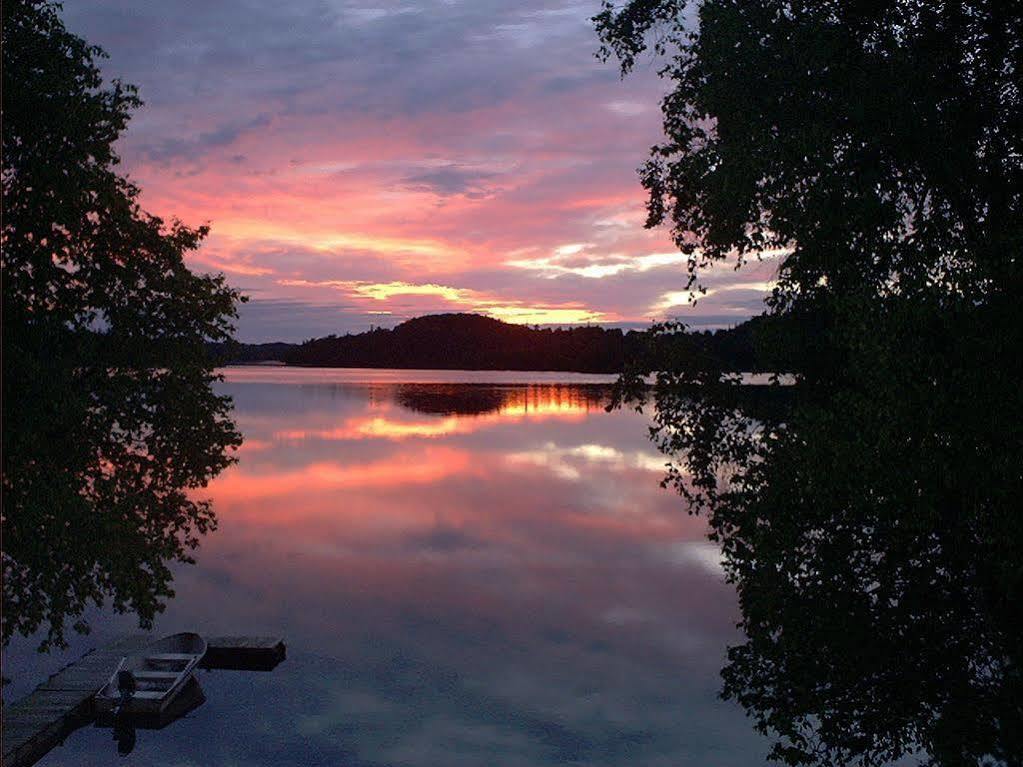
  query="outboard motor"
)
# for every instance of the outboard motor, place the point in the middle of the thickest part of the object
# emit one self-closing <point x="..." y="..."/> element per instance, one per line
<point x="126" y="685"/>
<point x="124" y="729"/>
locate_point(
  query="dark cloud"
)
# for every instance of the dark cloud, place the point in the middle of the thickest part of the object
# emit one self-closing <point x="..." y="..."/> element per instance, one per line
<point x="443" y="539"/>
<point x="451" y="180"/>
<point x="339" y="57"/>
<point x="190" y="149"/>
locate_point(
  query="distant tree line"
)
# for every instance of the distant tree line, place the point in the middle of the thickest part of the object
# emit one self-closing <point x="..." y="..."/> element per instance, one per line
<point x="235" y="352"/>
<point x="475" y="342"/>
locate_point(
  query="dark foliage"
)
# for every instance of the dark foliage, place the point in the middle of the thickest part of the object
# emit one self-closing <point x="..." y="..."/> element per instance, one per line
<point x="109" y="418"/>
<point x="872" y="526"/>
<point x="766" y="343"/>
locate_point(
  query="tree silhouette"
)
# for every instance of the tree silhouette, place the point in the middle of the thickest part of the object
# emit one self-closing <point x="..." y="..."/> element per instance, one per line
<point x="109" y="417"/>
<point x="873" y="526"/>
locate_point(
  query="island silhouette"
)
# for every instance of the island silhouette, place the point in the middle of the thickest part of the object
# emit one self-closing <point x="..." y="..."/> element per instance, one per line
<point x="478" y="342"/>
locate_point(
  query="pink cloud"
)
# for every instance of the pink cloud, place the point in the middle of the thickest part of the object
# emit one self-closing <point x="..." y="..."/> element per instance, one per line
<point x="472" y="139"/>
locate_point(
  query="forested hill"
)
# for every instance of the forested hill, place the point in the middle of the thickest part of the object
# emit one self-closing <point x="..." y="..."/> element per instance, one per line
<point x="470" y="342"/>
<point x="475" y="342"/>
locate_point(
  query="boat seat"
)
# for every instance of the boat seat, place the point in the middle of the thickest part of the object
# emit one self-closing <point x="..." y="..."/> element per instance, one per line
<point x="150" y="695"/>
<point x="168" y="662"/>
<point x="162" y="685"/>
<point x="154" y="675"/>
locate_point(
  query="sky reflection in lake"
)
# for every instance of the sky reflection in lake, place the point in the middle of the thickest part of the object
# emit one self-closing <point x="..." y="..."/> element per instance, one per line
<point x="464" y="574"/>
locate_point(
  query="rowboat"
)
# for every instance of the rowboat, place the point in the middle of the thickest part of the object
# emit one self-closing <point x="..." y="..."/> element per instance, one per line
<point x="148" y="681"/>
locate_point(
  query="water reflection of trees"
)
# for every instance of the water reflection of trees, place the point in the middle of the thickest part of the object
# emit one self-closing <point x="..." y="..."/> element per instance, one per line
<point x="871" y="527"/>
<point x="480" y="399"/>
<point x="110" y="421"/>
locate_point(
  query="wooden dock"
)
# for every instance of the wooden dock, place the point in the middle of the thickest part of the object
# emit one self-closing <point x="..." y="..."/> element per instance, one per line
<point x="64" y="702"/>
<point x="240" y="653"/>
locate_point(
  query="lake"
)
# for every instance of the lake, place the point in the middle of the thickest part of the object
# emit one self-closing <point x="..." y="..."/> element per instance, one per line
<point x="468" y="569"/>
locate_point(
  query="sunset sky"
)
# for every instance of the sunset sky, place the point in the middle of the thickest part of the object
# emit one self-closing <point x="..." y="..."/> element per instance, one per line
<point x="360" y="165"/>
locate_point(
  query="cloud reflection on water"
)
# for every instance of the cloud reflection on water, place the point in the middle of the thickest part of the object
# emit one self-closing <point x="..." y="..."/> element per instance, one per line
<point x="508" y="585"/>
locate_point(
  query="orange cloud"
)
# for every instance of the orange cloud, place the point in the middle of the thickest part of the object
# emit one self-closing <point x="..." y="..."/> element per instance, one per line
<point x="463" y="299"/>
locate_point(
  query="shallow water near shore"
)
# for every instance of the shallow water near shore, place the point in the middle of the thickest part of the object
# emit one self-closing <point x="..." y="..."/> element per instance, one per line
<point x="467" y="569"/>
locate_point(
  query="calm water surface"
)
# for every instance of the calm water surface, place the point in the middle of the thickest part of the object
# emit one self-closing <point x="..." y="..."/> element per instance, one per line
<point x="468" y="568"/>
